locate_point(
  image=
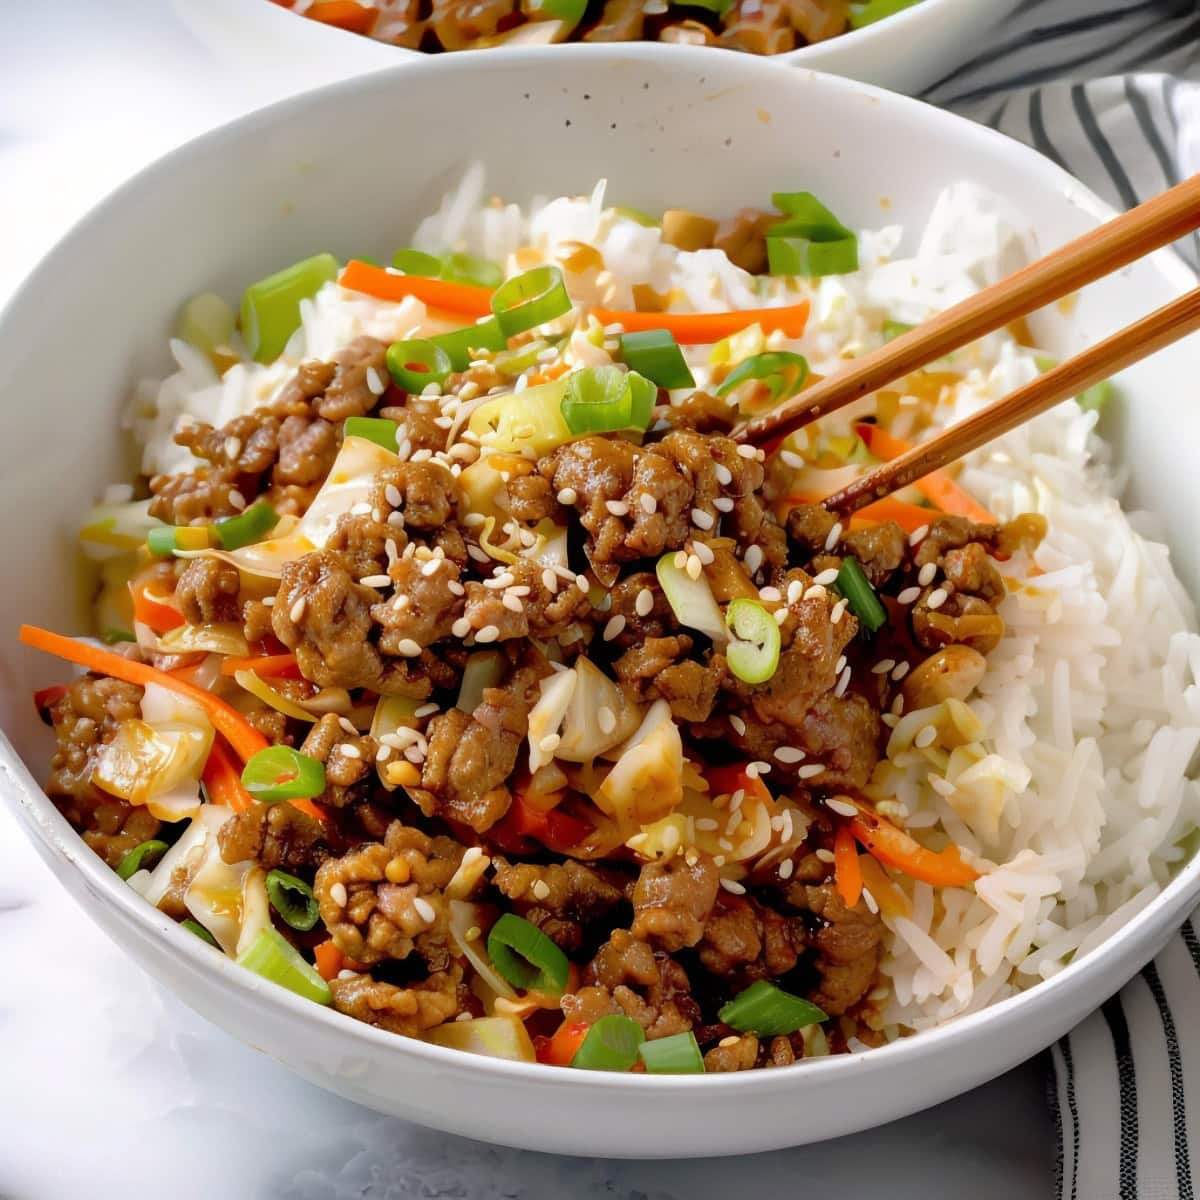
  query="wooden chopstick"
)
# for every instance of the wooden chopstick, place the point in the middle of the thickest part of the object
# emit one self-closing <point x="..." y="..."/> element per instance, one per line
<point x="1109" y="247"/>
<point x="1162" y="327"/>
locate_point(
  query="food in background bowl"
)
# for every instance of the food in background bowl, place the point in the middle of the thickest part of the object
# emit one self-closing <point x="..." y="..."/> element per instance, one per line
<point x="756" y="26"/>
<point x="467" y="676"/>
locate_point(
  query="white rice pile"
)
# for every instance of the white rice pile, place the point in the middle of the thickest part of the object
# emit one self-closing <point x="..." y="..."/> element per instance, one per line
<point x="1090" y="706"/>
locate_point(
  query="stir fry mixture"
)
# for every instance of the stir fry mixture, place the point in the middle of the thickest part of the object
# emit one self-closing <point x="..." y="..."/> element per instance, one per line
<point x="755" y="26"/>
<point x="480" y="685"/>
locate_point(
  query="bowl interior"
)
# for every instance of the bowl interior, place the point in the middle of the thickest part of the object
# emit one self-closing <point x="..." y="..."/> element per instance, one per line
<point x="351" y="169"/>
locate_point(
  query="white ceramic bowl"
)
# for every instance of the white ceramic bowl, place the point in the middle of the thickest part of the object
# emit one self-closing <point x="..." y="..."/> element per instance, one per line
<point x="907" y="52"/>
<point x="349" y="169"/>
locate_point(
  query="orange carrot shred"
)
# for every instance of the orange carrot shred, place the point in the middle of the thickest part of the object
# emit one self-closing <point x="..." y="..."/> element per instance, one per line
<point x="702" y="329"/>
<point x="459" y="298"/>
<point x="847" y="872"/>
<point x="265" y="666"/>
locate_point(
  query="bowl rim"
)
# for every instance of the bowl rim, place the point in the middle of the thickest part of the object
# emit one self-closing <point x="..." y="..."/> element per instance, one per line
<point x="25" y="795"/>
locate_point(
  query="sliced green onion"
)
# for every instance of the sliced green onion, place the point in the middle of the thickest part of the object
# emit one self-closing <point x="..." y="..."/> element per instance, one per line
<point x="691" y="600"/>
<point x="273" y="957"/>
<point x="753" y="650"/>
<point x="802" y="256"/>
<point x="466" y="268"/>
<point x="379" y="430"/>
<point x="860" y="595"/>
<point x="655" y="354"/>
<point x="529" y="300"/>
<point x="247" y="527"/>
<point x="678" y="1054"/>
<point x="293" y="900"/>
<point x="876" y="10"/>
<point x="199" y="930"/>
<point x="281" y="773"/>
<point x="460" y="344"/>
<point x="637" y="215"/>
<point x="607" y="400"/>
<point x="414" y="365"/>
<point x="570" y="11"/>
<point x="720" y="7"/>
<point x="417" y="262"/>
<point x="526" y="957"/>
<point x="521" y="358"/>
<point x="783" y="372"/>
<point x="1093" y="399"/>
<point x="611" y="1044"/>
<point x="166" y="539"/>
<point x="112" y="635"/>
<point x="161" y="540"/>
<point x="271" y="307"/>
<point x="206" y="321"/>
<point x="808" y="217"/>
<point x="769" y="1011"/>
<point x="144" y="856"/>
<point x="893" y="329"/>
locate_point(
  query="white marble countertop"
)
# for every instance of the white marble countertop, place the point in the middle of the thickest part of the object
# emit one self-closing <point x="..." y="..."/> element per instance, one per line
<point x="110" y="1087"/>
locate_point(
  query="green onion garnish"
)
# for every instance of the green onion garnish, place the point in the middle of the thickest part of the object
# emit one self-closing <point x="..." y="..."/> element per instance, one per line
<point x="273" y="957"/>
<point x="249" y="526"/>
<point x="417" y="262"/>
<point x="783" y="372"/>
<point x="526" y="957"/>
<point x="466" y="268"/>
<point x="281" y="773"/>
<point x="570" y="11"/>
<point x="876" y="10"/>
<point x="769" y="1011"/>
<point x="1093" y="399"/>
<point x="144" y="856"/>
<point x="655" y="354"/>
<point x="607" y="400"/>
<point x="416" y="364"/>
<point x="379" y="430"/>
<point x="271" y="307"/>
<point x="460" y="344"/>
<point x="810" y="240"/>
<point x="893" y="329"/>
<point x="520" y="358"/>
<point x="526" y="301"/>
<point x="808" y="217"/>
<point x="753" y="651"/>
<point x="293" y="900"/>
<point x="199" y="930"/>
<point x="860" y="595"/>
<point x="166" y="539"/>
<point x="638" y="216"/>
<point x="610" y="1045"/>
<point x="678" y="1054"/>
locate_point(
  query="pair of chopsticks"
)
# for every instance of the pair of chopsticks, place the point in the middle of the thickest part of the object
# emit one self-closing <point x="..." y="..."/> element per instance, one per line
<point x="1112" y="246"/>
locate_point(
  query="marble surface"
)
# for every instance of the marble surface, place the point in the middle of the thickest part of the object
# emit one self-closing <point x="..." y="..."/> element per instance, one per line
<point x="110" y="1087"/>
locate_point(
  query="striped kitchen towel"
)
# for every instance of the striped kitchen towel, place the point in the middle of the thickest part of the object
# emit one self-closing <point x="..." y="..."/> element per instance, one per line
<point x="1111" y="92"/>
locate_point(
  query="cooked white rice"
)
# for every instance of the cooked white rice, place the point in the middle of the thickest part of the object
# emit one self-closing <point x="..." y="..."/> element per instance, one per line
<point x="1090" y="708"/>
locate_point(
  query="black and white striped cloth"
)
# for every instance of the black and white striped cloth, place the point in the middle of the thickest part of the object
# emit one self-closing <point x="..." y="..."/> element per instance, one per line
<point x="1110" y="90"/>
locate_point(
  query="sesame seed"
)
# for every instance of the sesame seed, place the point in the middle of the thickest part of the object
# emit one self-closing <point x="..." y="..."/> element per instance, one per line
<point x="296" y="612"/>
<point x="376" y="581"/>
<point x="701" y="519"/>
<point x="898" y="704"/>
<point x="735" y="801"/>
<point x="770" y="594"/>
<point x="734" y="888"/>
<point x="501" y="581"/>
<point x="474" y="520"/>
<point x="723" y="504"/>
<point x="480" y="556"/>
<point x="349" y="750"/>
<point x="268" y="602"/>
<point x="391" y="494"/>
<point x="842" y="807"/>
<point x="400" y="602"/>
<point x="425" y="710"/>
<point x="703" y="551"/>
<point x="455" y="588"/>
<point x="918" y="535"/>
<point x="345" y="725"/>
<point x="549" y="581"/>
<point x="810" y="770"/>
<point x="549" y="743"/>
<point x="789" y="754"/>
<point x="614" y="627"/>
<point x="724" y="475"/>
<point x="377" y="516"/>
<point x="337" y="894"/>
<point x="815" y="592"/>
<point x="396" y="520"/>
<point x="670" y="839"/>
<point x="346" y="973"/>
<point x="883" y="666"/>
<point x="383" y="754"/>
<point x="843" y="683"/>
<point x="837" y="666"/>
<point x="233" y="448"/>
<point x="786" y="868"/>
<point x="795" y="590"/>
<point x="512" y="603"/>
<point x="870" y="900"/>
<point x="237" y="499"/>
<point x="909" y="595"/>
<point x="826" y="856"/>
<point x="731" y="1040"/>
<point x="926" y="574"/>
<point x="826" y="577"/>
<point x="707" y="824"/>
<point x="618" y="508"/>
<point x="392" y="552"/>
<point x="745" y="451"/>
<point x="695" y="568"/>
<point x="831" y="539"/>
<point x="937" y="598"/>
<point x="791" y="459"/>
<point x="644" y="604"/>
<point x="408" y="648"/>
<point x="890" y="720"/>
<point x="925" y="737"/>
<point x="607" y="719"/>
<point x="648" y="502"/>
<point x="837" y="611"/>
<point x="425" y="910"/>
<point x="680" y="559"/>
<point x="581" y="582"/>
<point x="753" y="558"/>
<point x="540" y="889"/>
<point x="760" y="768"/>
<point x="738" y="724"/>
<point x="519" y="590"/>
<point x="489" y="633"/>
<point x="900" y="672"/>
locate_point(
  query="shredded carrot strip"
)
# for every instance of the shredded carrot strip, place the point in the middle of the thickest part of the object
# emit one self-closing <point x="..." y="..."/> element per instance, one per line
<point x="459" y="298"/>
<point x="847" y="872"/>
<point x="158" y="616"/>
<point x="891" y="900"/>
<point x="937" y="486"/>
<point x="345" y="14"/>
<point x="910" y="517"/>
<point x="894" y="848"/>
<point x="240" y="734"/>
<point x="559" y="1050"/>
<point x="547" y="374"/>
<point x="329" y="960"/>
<point x="223" y="780"/>
<point x="265" y="666"/>
<point x="702" y="329"/>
